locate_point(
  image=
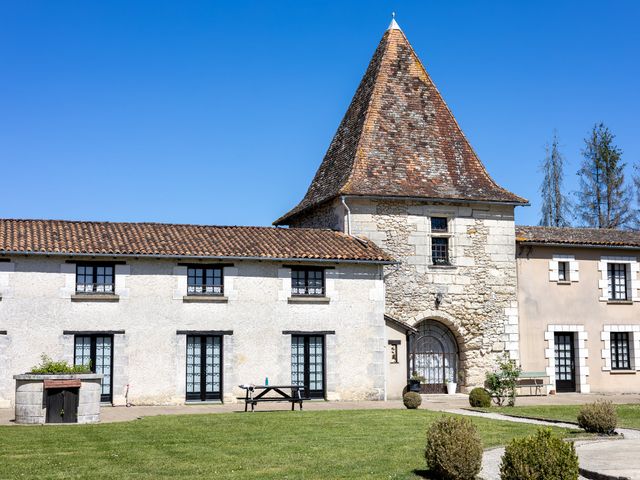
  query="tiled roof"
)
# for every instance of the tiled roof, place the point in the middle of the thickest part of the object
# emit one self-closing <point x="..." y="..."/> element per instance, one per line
<point x="578" y="236"/>
<point x="158" y="239"/>
<point x="399" y="139"/>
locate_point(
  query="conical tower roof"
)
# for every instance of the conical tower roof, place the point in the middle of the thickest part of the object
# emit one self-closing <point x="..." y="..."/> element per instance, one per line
<point x="399" y="139"/>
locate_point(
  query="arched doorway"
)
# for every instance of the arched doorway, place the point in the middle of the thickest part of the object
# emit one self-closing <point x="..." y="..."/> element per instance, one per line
<point x="434" y="356"/>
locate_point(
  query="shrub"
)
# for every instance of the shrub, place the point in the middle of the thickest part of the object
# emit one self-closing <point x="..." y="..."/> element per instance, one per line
<point x="539" y="457"/>
<point x="412" y="400"/>
<point x="598" y="417"/>
<point x="454" y="449"/>
<point x="502" y="383"/>
<point x="49" y="367"/>
<point x="479" y="397"/>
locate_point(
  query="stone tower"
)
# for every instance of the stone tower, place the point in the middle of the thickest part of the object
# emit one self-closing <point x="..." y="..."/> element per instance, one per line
<point x="400" y="172"/>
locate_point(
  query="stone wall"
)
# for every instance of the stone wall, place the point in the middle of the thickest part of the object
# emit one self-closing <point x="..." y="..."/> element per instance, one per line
<point x="479" y="302"/>
<point x="331" y="215"/>
<point x="151" y="309"/>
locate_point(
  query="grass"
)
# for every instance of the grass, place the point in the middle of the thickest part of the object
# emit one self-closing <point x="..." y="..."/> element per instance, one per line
<point x="628" y="414"/>
<point x="285" y="445"/>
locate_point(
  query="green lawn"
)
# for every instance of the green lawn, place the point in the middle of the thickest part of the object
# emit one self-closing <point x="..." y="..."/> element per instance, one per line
<point x="295" y="445"/>
<point x="628" y="414"/>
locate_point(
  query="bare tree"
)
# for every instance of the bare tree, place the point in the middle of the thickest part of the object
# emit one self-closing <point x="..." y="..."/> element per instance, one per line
<point x="604" y="197"/>
<point x="555" y="204"/>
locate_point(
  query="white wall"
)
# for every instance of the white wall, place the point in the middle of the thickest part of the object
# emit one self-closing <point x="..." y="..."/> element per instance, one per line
<point x="36" y="308"/>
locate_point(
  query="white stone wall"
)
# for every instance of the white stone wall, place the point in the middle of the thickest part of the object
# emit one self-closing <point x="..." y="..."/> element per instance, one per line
<point x="478" y="292"/>
<point x="149" y="357"/>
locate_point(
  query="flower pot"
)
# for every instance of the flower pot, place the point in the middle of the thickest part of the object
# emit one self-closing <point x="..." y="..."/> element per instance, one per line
<point x="414" y="386"/>
<point x="451" y="388"/>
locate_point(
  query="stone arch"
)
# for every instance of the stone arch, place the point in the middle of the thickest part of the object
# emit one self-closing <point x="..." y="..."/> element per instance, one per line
<point x="434" y="353"/>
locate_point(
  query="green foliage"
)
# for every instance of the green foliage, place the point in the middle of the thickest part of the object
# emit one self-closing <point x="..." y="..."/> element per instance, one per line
<point x="49" y="367"/>
<point x="539" y="457"/>
<point x="454" y="449"/>
<point x="502" y="384"/>
<point x="416" y="376"/>
<point x="479" y="397"/>
<point x="412" y="400"/>
<point x="598" y="417"/>
<point x="604" y="196"/>
<point x="555" y="205"/>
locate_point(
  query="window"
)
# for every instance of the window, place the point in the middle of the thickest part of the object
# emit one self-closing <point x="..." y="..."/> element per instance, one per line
<point x="205" y="281"/>
<point x="307" y="281"/>
<point x="204" y="367"/>
<point x="563" y="271"/>
<point x="308" y="364"/>
<point x="617" y="281"/>
<point x="96" y="352"/>
<point x="440" y="241"/>
<point x="620" y="358"/>
<point x="95" y="278"/>
<point x="394" y="353"/>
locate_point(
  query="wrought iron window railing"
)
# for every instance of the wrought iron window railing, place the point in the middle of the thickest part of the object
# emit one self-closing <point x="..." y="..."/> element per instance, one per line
<point x="96" y="288"/>
<point x="205" y="290"/>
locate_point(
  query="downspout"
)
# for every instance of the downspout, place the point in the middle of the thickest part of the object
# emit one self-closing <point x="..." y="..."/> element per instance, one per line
<point x="348" y="214"/>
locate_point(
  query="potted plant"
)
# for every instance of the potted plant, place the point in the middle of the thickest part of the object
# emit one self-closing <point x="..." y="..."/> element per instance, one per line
<point x="451" y="386"/>
<point x="415" y="381"/>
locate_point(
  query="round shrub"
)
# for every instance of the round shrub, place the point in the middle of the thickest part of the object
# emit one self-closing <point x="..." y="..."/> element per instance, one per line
<point x="598" y="417"/>
<point x="454" y="449"/>
<point x="539" y="457"/>
<point x="412" y="400"/>
<point x="479" y="397"/>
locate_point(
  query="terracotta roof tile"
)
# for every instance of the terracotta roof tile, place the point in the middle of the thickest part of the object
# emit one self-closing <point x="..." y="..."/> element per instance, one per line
<point x="158" y="239"/>
<point x="578" y="236"/>
<point x="399" y="138"/>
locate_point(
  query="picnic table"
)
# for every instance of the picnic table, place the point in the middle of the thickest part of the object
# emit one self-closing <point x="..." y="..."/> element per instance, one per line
<point x="273" y="393"/>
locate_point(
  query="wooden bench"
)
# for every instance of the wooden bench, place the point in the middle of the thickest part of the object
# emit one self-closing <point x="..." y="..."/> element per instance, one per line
<point x="251" y="399"/>
<point x="534" y="381"/>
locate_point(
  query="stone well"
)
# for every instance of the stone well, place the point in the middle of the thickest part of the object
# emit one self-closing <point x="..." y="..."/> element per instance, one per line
<point x="31" y="399"/>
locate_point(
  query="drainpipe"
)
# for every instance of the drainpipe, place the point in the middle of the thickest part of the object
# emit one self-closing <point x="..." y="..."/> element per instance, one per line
<point x="348" y="215"/>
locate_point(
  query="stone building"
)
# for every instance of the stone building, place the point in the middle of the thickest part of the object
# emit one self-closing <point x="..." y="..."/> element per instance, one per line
<point x="402" y="257"/>
<point x="401" y="173"/>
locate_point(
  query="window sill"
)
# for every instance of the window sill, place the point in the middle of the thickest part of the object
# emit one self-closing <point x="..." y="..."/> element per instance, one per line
<point x="619" y="302"/>
<point x="443" y="267"/>
<point x="205" y="299"/>
<point x="623" y="372"/>
<point x="88" y="297"/>
<point x="563" y="282"/>
<point x="309" y="299"/>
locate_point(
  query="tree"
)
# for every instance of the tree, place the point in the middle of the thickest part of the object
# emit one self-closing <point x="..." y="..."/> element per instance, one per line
<point x="604" y="197"/>
<point x="555" y="204"/>
<point x="636" y="183"/>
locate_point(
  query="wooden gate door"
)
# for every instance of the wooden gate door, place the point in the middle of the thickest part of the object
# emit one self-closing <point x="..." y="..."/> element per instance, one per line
<point x="62" y="405"/>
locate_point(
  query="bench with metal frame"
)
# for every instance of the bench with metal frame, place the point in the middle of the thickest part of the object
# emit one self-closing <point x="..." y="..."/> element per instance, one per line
<point x="534" y="381"/>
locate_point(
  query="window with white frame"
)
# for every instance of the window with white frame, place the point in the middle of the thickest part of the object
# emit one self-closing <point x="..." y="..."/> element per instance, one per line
<point x="440" y="241"/>
<point x="620" y="351"/>
<point x="563" y="271"/>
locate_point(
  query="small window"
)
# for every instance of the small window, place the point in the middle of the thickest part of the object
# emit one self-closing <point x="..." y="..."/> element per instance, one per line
<point x="617" y="281"/>
<point x="394" y="353"/>
<point x="563" y="271"/>
<point x="95" y="278"/>
<point x="620" y="357"/>
<point x="205" y="281"/>
<point x="307" y="281"/>
<point x="439" y="224"/>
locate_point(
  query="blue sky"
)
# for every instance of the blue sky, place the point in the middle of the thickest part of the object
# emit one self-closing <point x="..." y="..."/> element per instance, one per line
<point x="220" y="112"/>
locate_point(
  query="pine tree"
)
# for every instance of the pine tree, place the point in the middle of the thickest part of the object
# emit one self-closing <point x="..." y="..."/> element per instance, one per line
<point x="603" y="198"/>
<point x="636" y="183"/>
<point x="555" y="204"/>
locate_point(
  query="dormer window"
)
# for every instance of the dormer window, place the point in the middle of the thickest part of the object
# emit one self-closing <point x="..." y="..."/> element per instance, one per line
<point x="95" y="278"/>
<point x="307" y="281"/>
<point x="205" y="281"/>
<point x="440" y="237"/>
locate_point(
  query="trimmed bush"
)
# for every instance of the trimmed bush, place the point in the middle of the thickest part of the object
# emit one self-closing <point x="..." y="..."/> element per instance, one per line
<point x="479" y="397"/>
<point x="539" y="457"/>
<point x="412" y="400"/>
<point x="454" y="449"/>
<point x="598" y="417"/>
<point x="49" y="367"/>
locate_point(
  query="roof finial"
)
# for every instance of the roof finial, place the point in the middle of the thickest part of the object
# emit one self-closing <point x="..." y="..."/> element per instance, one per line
<point x="393" y="25"/>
